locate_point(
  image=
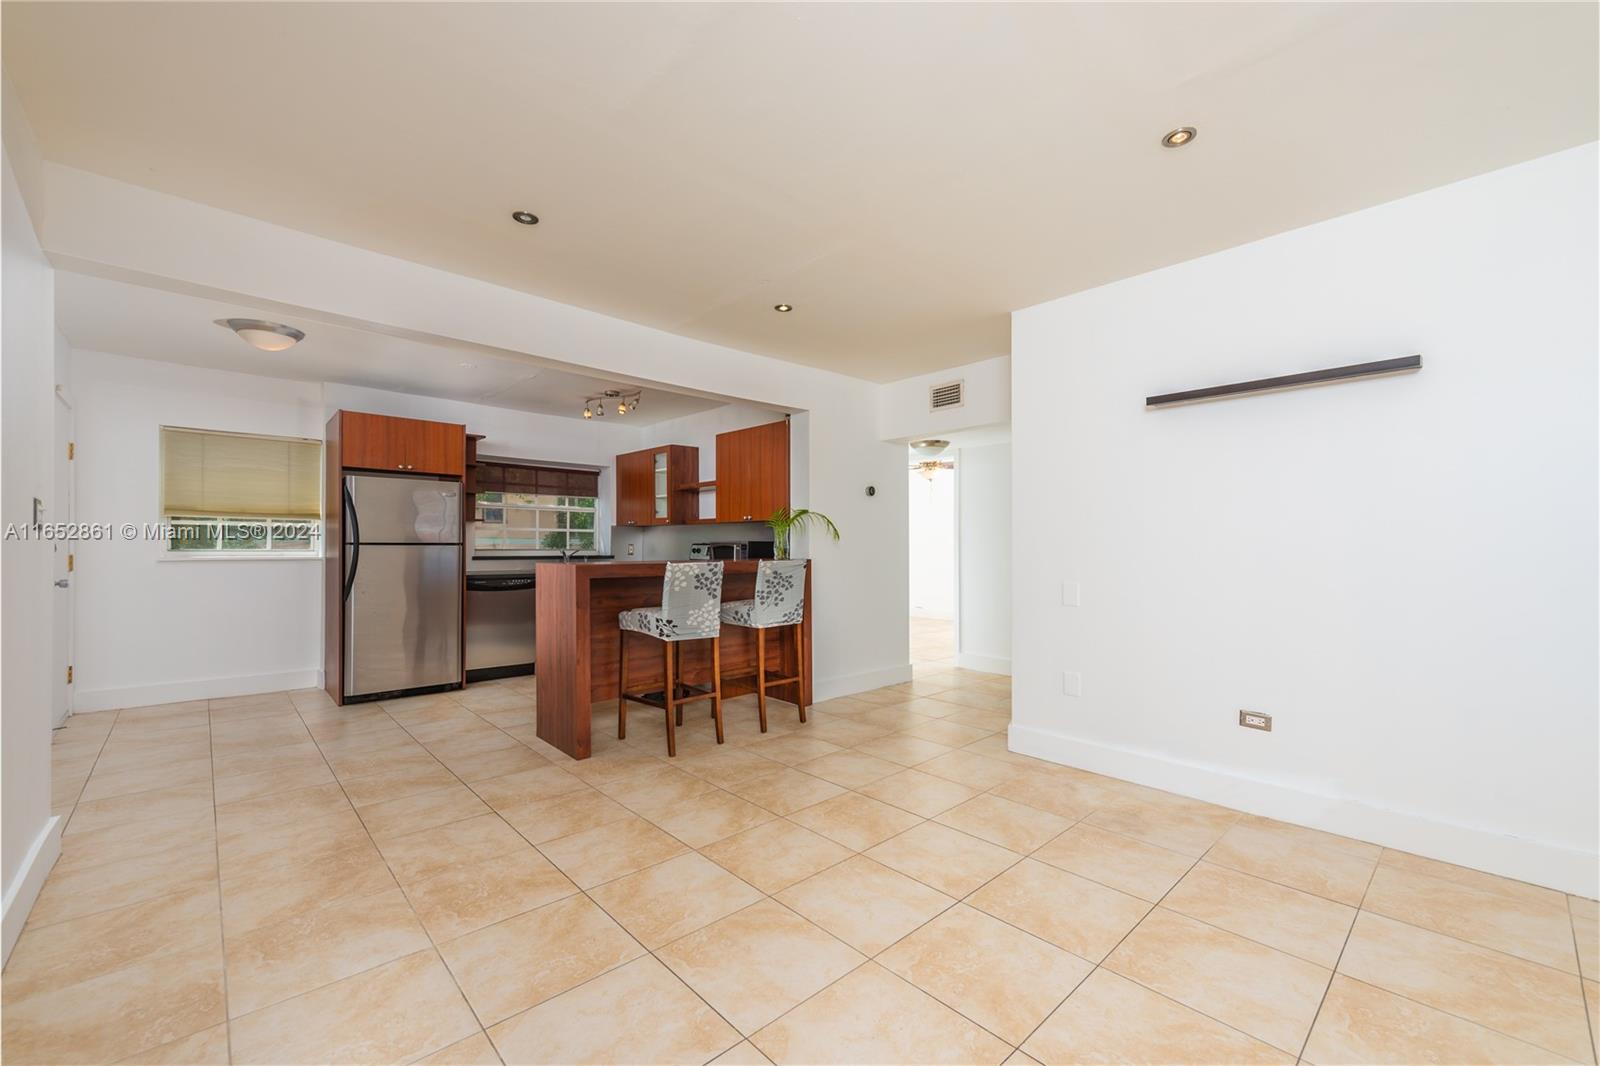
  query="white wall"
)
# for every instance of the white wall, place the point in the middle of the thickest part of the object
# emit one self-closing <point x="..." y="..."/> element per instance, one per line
<point x="932" y="523"/>
<point x="983" y="493"/>
<point x="152" y="627"/>
<point x="1401" y="571"/>
<point x="30" y="837"/>
<point x="904" y="414"/>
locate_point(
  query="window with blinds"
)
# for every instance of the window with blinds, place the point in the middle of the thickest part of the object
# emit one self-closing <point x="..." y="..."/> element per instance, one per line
<point x="240" y="492"/>
<point x="535" y="508"/>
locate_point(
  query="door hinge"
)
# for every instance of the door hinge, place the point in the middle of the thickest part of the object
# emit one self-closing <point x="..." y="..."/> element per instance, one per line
<point x="69" y="562"/>
<point x="69" y="675"/>
<point x="72" y="447"/>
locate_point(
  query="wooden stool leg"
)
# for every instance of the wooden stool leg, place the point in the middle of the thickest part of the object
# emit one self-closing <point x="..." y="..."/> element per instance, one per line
<point x="667" y="693"/>
<point x="761" y="676"/>
<point x="800" y="668"/>
<point x="716" y="683"/>
<point x="677" y="649"/>
<point x="622" y="684"/>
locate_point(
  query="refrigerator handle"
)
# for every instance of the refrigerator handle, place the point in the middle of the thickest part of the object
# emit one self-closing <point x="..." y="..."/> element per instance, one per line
<point x="355" y="540"/>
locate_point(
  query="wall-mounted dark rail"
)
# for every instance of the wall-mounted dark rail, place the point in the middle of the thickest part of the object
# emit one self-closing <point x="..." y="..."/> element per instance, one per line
<point x="1289" y="381"/>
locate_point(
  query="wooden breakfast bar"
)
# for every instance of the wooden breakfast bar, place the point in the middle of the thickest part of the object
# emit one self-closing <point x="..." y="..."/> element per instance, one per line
<point x="577" y="639"/>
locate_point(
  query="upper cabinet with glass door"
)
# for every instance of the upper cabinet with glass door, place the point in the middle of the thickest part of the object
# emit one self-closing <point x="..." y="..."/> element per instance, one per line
<point x="651" y="486"/>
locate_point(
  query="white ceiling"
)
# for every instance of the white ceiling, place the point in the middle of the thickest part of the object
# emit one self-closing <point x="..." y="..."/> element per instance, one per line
<point x="102" y="315"/>
<point x="904" y="174"/>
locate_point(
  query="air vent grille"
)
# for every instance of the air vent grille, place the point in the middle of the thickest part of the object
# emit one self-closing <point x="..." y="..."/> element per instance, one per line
<point x="946" y="395"/>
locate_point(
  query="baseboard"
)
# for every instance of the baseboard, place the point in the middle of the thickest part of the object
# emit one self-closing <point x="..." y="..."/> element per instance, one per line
<point x="209" y="688"/>
<point x="24" y="888"/>
<point x="988" y="664"/>
<point x="828" y="688"/>
<point x="1536" y="861"/>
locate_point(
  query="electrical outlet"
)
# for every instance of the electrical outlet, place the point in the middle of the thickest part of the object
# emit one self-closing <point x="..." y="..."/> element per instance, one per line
<point x="1252" y="720"/>
<point x="631" y="547"/>
<point x="1072" y="684"/>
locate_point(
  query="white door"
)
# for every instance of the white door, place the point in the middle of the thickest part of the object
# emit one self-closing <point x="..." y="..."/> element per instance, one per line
<point x="62" y="564"/>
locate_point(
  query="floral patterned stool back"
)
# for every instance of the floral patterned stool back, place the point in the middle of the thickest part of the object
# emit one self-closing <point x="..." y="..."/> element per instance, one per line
<point x="780" y="601"/>
<point x="691" y="601"/>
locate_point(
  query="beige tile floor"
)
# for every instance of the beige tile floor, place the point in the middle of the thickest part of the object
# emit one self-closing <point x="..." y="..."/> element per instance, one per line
<point x="933" y="640"/>
<point x="275" y="880"/>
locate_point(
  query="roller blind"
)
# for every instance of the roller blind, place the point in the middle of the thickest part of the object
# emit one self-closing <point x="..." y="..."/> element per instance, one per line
<point x="238" y="475"/>
<point x="539" y="480"/>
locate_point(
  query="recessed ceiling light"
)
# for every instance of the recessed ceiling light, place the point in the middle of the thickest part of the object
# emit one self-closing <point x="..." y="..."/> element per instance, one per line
<point x="1179" y="137"/>
<point x="268" y="336"/>
<point x="527" y="218"/>
<point x="786" y="308"/>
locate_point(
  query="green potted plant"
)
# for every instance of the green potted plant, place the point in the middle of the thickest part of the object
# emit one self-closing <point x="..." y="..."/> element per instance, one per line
<point x="785" y="521"/>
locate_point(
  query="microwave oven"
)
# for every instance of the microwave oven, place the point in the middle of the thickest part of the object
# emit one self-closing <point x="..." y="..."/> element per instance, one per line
<point x="719" y="549"/>
<point x="731" y="549"/>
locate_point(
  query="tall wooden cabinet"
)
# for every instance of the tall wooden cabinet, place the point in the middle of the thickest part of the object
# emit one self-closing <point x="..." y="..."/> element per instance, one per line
<point x="752" y="472"/>
<point x="655" y="486"/>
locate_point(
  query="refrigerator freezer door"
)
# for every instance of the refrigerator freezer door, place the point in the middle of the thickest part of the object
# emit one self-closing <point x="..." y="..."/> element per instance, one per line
<point x="403" y="510"/>
<point x="403" y="618"/>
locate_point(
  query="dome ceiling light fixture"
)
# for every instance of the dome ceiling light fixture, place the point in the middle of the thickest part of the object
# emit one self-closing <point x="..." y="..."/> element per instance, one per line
<point x="626" y="401"/>
<point x="783" y="309"/>
<point x="927" y="452"/>
<point x="1179" y="137"/>
<point x="259" y="333"/>
<point x="527" y="218"/>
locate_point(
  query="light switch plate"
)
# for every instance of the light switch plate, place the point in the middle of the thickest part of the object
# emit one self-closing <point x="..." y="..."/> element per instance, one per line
<point x="1072" y="684"/>
<point x="1070" y="594"/>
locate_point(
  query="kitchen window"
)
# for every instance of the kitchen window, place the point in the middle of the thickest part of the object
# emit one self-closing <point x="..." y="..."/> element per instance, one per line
<point x="240" y="493"/>
<point x="526" y="508"/>
<point x="534" y="522"/>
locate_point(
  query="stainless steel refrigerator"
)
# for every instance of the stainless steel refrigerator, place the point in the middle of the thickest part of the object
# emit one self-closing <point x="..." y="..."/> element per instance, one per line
<point x="402" y="584"/>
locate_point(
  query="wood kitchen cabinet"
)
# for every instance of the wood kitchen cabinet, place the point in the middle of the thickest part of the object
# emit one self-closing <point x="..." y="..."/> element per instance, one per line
<point x="382" y="442"/>
<point x="752" y="472"/>
<point x="652" y="486"/>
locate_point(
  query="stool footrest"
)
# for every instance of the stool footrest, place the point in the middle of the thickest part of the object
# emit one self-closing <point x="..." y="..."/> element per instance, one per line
<point x="659" y="702"/>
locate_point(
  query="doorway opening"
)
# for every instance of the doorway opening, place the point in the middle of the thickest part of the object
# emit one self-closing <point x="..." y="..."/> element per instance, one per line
<point x="934" y="586"/>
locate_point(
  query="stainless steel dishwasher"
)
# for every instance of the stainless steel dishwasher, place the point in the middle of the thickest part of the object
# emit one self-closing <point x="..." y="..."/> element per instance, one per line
<point x="500" y="626"/>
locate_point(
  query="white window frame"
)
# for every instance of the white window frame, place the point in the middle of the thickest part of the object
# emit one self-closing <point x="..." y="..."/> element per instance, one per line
<point x="314" y="551"/>
<point x="535" y="549"/>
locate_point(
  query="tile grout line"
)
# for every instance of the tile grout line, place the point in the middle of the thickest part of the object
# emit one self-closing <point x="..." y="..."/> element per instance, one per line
<point x="116" y="716"/>
<point x="1120" y="940"/>
<point x="433" y="944"/>
<point x="1583" y="991"/>
<point x="216" y="841"/>
<point x="1441" y="1010"/>
<point x="1348" y="933"/>
<point x="365" y="970"/>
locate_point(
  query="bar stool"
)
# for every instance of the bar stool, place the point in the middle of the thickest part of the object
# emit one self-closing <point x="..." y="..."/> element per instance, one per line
<point x="691" y="594"/>
<point x="780" y="600"/>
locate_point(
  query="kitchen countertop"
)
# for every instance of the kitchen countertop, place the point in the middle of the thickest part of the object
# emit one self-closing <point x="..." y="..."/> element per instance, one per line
<point x="541" y="557"/>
